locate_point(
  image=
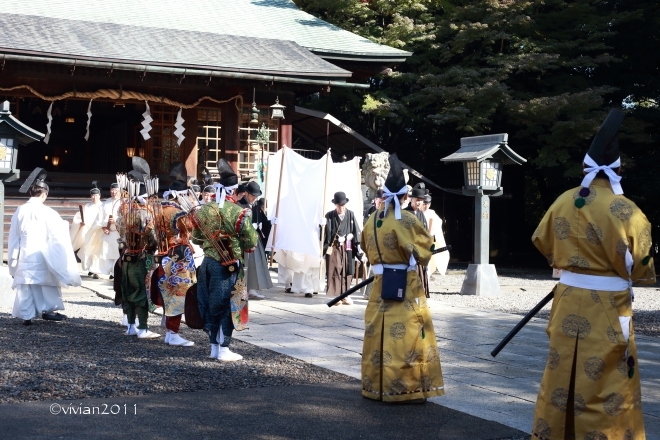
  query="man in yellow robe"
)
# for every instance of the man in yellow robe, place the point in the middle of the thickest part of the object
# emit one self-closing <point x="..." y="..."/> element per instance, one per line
<point x="601" y="241"/>
<point x="400" y="359"/>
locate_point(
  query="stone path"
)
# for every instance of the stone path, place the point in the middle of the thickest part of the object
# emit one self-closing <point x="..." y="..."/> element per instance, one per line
<point x="501" y="389"/>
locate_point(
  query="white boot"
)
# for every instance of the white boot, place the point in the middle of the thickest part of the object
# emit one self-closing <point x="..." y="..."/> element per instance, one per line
<point x="132" y="331"/>
<point x="214" y="351"/>
<point x="226" y="355"/>
<point x="146" y="334"/>
<point x="124" y="320"/>
<point x="253" y="294"/>
<point x="175" y="339"/>
<point x="167" y="336"/>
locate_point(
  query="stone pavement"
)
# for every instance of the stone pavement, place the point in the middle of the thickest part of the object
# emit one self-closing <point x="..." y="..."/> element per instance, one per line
<point x="501" y="389"/>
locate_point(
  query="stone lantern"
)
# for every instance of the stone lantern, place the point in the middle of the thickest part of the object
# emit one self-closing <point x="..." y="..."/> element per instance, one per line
<point x="277" y="110"/>
<point x="483" y="158"/>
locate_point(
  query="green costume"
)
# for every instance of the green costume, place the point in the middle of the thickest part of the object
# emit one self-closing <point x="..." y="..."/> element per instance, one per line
<point x="220" y="287"/>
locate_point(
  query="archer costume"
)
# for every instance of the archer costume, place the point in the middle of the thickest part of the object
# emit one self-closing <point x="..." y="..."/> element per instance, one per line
<point x="224" y="231"/>
<point x="400" y="359"/>
<point x="601" y="241"/>
<point x="177" y="266"/>
<point x="40" y="257"/>
<point x="342" y="236"/>
<point x="258" y="275"/>
<point x="138" y="239"/>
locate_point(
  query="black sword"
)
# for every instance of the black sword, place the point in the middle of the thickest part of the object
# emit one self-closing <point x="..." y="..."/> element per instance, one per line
<point x="370" y="279"/>
<point x="522" y="323"/>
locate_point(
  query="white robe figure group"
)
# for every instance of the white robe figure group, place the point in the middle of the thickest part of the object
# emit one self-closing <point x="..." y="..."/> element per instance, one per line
<point x="94" y="234"/>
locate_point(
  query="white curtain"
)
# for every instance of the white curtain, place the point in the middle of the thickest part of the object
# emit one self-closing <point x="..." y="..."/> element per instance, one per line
<point x="301" y="198"/>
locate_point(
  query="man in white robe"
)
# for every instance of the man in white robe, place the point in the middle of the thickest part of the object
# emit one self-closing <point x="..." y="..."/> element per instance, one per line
<point x="107" y="235"/>
<point x="438" y="261"/>
<point x="86" y="234"/>
<point x="40" y="256"/>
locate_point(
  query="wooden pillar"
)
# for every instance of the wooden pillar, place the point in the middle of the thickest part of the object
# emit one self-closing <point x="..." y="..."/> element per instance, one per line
<point x="189" y="145"/>
<point x="230" y="136"/>
<point x="286" y="129"/>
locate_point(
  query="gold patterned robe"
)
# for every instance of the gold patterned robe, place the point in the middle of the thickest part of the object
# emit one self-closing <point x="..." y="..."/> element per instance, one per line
<point x="585" y="331"/>
<point x="400" y="359"/>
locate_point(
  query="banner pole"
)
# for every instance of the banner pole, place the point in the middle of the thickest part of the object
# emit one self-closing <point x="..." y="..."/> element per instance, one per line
<point x="325" y="198"/>
<point x="277" y="207"/>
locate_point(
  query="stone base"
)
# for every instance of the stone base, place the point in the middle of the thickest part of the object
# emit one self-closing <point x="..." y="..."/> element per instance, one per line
<point x="481" y="280"/>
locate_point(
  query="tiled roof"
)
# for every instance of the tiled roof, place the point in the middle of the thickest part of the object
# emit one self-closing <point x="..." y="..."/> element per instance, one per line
<point x="56" y="37"/>
<point x="275" y="19"/>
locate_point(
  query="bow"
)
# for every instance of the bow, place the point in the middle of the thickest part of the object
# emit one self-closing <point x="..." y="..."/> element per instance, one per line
<point x="593" y="168"/>
<point x="389" y="195"/>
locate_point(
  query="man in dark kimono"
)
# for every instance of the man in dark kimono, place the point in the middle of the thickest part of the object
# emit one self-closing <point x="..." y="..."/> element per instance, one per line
<point x="258" y="276"/>
<point x="340" y="245"/>
<point x="419" y="192"/>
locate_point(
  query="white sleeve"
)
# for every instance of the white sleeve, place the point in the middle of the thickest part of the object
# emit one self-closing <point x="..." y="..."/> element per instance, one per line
<point x="13" y="244"/>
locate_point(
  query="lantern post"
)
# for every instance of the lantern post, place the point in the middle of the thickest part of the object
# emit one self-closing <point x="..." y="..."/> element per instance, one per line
<point x="12" y="134"/>
<point x="483" y="158"/>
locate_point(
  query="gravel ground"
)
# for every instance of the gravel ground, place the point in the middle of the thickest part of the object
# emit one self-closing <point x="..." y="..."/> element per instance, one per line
<point x="89" y="356"/>
<point x="522" y="290"/>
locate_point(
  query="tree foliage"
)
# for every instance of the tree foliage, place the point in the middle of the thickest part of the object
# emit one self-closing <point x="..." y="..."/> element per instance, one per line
<point x="546" y="72"/>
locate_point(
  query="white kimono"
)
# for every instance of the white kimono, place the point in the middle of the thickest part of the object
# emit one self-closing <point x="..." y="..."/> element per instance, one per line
<point x="85" y="239"/>
<point x="302" y="271"/>
<point x="438" y="261"/>
<point x="40" y="259"/>
<point x="103" y="247"/>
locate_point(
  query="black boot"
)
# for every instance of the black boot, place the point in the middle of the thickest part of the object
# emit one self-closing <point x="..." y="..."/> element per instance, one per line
<point x="27" y="322"/>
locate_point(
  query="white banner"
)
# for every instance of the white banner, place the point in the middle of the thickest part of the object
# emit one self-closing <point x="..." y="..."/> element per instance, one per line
<point x="301" y="198"/>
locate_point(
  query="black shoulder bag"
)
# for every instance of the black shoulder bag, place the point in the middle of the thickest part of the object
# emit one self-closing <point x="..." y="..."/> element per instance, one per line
<point x="393" y="284"/>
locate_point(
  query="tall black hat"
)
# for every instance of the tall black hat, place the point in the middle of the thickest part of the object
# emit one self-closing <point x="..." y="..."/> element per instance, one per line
<point x="37" y="178"/>
<point x="95" y="188"/>
<point x="253" y="189"/>
<point x="136" y="175"/>
<point x="141" y="165"/>
<point x="179" y="176"/>
<point x="395" y="179"/>
<point x="227" y="175"/>
<point x="178" y="171"/>
<point x="604" y="149"/>
<point x="419" y="191"/>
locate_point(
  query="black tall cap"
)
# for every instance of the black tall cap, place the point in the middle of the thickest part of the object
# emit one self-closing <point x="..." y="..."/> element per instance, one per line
<point x="395" y="178"/>
<point x="95" y="188"/>
<point x="136" y="175"/>
<point x="178" y="171"/>
<point x="36" y="178"/>
<point x="227" y="175"/>
<point x="604" y="149"/>
<point x="141" y="165"/>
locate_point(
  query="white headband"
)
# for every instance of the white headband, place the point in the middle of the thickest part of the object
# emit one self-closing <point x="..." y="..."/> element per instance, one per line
<point x="593" y="168"/>
<point x="388" y="196"/>
<point x="221" y="193"/>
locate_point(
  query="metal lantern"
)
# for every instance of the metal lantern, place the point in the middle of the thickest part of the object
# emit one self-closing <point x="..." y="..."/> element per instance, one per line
<point x="254" y="114"/>
<point x="277" y="110"/>
<point x="483" y="158"/>
<point x="486" y="174"/>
